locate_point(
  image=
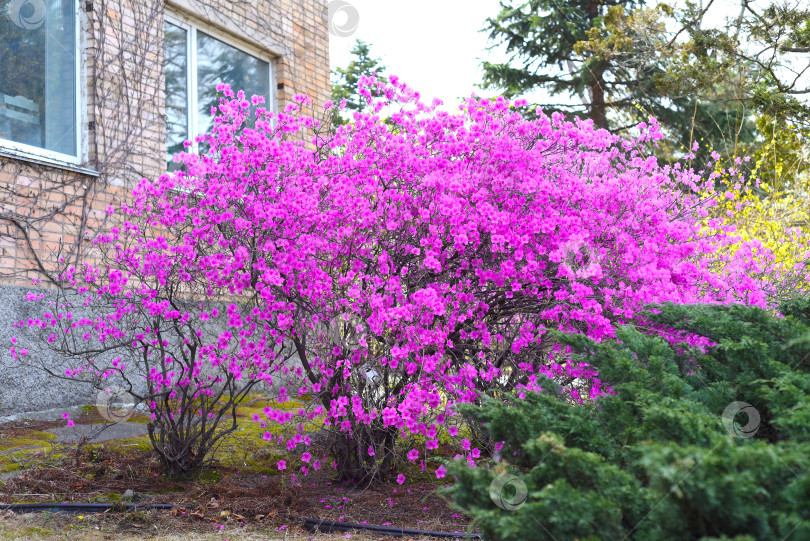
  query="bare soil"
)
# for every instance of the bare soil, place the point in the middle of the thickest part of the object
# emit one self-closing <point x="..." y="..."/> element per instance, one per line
<point x="229" y="497"/>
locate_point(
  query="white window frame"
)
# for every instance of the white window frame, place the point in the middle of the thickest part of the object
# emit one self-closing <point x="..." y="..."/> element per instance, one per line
<point x="191" y="27"/>
<point x="22" y="150"/>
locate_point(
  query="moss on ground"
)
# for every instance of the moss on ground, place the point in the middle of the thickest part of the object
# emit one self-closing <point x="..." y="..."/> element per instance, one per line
<point x="34" y="438"/>
<point x="21" y="451"/>
<point x="244" y="449"/>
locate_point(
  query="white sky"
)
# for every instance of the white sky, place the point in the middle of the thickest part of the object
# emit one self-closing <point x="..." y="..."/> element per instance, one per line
<point x="433" y="45"/>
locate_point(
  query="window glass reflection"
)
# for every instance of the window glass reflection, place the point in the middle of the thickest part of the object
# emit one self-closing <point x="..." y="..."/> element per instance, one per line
<point x="38" y="74"/>
<point x="176" y="40"/>
<point x="218" y="62"/>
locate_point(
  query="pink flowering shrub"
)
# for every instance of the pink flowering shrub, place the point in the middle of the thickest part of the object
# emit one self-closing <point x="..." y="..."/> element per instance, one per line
<point x="160" y="315"/>
<point x="392" y="269"/>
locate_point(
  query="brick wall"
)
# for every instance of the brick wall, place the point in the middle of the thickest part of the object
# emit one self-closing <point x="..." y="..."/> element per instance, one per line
<point x="124" y="129"/>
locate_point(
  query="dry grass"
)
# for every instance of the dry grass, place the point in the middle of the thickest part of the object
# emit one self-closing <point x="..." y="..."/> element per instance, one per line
<point x="146" y="526"/>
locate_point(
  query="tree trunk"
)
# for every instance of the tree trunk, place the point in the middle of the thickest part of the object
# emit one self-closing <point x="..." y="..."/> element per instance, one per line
<point x="354" y="464"/>
<point x="598" y="107"/>
<point x="596" y="83"/>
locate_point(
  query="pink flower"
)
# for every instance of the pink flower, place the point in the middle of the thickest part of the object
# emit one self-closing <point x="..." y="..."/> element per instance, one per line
<point x="400" y="478"/>
<point x="282" y="465"/>
<point x="413" y="454"/>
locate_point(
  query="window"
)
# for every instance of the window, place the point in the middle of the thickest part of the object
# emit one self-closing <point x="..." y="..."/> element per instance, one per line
<point x="39" y="77"/>
<point x="196" y="62"/>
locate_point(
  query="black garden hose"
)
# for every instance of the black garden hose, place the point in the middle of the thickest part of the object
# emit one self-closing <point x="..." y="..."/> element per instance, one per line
<point x="82" y="507"/>
<point x="311" y="524"/>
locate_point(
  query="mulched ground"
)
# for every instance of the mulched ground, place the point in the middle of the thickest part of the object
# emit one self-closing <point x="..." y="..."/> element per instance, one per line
<point x="229" y="496"/>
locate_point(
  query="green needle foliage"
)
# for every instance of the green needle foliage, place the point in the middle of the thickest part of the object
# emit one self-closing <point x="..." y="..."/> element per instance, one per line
<point x="658" y="460"/>
<point x="345" y="81"/>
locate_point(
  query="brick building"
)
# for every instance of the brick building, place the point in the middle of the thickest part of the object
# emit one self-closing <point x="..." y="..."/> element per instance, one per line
<point x="95" y="95"/>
